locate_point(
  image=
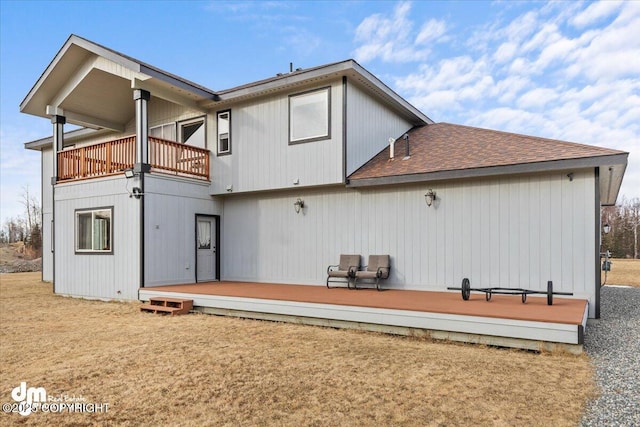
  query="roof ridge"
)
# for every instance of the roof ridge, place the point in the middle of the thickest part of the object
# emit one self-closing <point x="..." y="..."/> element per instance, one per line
<point x="520" y="135"/>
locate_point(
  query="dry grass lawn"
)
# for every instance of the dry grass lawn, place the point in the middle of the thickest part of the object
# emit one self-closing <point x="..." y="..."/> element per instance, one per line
<point x="624" y="272"/>
<point x="198" y="370"/>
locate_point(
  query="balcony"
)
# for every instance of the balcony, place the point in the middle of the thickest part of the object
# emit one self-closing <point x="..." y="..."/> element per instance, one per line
<point x="113" y="157"/>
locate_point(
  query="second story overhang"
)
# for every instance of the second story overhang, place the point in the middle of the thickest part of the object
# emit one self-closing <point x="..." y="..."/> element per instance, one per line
<point x="92" y="86"/>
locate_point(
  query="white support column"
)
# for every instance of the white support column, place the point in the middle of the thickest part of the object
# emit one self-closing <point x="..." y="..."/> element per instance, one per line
<point x="142" y="130"/>
<point x="58" y="143"/>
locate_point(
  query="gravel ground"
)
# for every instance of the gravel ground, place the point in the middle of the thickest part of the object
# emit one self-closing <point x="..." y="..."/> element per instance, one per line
<point x="613" y="343"/>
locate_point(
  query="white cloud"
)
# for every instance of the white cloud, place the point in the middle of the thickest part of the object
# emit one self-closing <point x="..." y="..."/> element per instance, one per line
<point x="595" y="12"/>
<point x="391" y="39"/>
<point x="505" y="52"/>
<point x="537" y="98"/>
<point x="521" y="28"/>
<point x="536" y="74"/>
<point x="431" y="31"/>
<point x="19" y="168"/>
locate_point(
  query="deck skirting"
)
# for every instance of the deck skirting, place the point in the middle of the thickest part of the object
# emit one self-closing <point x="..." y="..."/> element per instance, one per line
<point x="499" y="331"/>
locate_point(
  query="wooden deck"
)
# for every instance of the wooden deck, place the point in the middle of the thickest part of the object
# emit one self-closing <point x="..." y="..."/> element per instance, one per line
<point x="504" y="320"/>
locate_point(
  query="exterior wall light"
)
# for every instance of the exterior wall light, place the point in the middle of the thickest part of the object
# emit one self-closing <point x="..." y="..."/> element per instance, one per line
<point x="129" y="173"/>
<point x="137" y="192"/>
<point x="430" y="197"/>
<point x="298" y="205"/>
<point x="606" y="228"/>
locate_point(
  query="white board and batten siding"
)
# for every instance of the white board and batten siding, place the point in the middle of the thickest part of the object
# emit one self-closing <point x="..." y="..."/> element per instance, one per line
<point x="261" y="157"/>
<point x="47" y="215"/>
<point x="370" y="124"/>
<point x="171" y="205"/>
<point x="109" y="276"/>
<point x="518" y="231"/>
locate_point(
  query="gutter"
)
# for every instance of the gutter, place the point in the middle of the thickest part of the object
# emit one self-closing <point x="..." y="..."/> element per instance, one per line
<point x="547" y="166"/>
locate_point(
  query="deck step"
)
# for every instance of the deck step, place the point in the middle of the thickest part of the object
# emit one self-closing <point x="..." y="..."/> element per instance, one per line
<point x="173" y="306"/>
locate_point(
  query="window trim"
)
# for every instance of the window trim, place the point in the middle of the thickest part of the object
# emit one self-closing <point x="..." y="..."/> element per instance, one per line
<point x="192" y="120"/>
<point x="327" y="89"/>
<point x="76" y="234"/>
<point x="219" y="152"/>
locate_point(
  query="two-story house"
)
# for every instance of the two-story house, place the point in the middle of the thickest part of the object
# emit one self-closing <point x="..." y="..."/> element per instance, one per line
<point x="169" y="182"/>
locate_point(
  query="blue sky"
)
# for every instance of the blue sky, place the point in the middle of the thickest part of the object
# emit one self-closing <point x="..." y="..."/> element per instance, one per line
<point x="564" y="70"/>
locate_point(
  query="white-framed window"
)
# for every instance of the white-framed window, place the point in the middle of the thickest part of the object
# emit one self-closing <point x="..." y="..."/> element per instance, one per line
<point x="192" y="132"/>
<point x="223" y="119"/>
<point x="309" y="116"/>
<point x="166" y="131"/>
<point x="94" y="230"/>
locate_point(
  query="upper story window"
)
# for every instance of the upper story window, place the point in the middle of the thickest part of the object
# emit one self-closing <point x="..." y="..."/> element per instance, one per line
<point x="309" y="116"/>
<point x="192" y="132"/>
<point x="166" y="131"/>
<point x="224" y="132"/>
<point x="94" y="231"/>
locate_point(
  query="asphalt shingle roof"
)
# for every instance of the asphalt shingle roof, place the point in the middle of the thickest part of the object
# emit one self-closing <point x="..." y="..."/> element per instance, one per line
<point x="447" y="147"/>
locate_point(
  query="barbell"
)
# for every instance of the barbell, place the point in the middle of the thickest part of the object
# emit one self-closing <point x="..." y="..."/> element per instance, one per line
<point x="466" y="289"/>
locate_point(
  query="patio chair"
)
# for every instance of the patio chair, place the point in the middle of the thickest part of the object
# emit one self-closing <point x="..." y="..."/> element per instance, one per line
<point x="377" y="269"/>
<point x="345" y="271"/>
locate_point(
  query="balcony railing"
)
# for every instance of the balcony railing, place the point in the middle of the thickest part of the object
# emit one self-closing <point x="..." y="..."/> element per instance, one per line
<point x="113" y="157"/>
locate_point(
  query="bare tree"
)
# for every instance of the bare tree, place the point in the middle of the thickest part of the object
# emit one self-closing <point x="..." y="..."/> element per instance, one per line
<point x="634" y="222"/>
<point x="624" y="219"/>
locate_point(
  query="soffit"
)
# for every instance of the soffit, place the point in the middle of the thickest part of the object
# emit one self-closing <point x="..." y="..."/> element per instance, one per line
<point x="104" y="95"/>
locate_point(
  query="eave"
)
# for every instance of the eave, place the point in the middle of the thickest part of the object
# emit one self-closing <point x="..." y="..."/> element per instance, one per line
<point x="75" y="85"/>
<point x="318" y="75"/>
<point x="612" y="168"/>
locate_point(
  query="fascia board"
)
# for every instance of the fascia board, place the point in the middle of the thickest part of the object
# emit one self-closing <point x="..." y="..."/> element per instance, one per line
<point x="70" y="136"/>
<point x="390" y="93"/>
<point x="555" y="165"/>
<point x="349" y="68"/>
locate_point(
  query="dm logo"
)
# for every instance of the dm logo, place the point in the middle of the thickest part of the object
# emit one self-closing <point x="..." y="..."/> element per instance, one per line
<point x="27" y="397"/>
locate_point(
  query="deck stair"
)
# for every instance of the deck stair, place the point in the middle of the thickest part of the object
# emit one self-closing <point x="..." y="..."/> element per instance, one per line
<point x="166" y="305"/>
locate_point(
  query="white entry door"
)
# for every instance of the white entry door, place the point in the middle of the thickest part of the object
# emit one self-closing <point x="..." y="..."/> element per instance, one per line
<point x="206" y="249"/>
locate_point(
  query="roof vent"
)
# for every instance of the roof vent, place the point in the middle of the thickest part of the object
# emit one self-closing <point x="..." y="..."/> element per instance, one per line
<point x="406" y="146"/>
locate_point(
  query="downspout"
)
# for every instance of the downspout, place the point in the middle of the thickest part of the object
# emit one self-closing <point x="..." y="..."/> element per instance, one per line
<point x="344" y="129"/>
<point x="42" y="219"/>
<point x="598" y="235"/>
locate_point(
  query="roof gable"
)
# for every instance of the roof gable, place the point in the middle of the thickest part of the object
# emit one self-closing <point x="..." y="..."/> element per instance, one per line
<point x="75" y="62"/>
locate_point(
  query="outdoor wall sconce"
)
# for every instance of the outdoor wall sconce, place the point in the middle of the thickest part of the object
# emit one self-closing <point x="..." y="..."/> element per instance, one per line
<point x="298" y="205"/>
<point x="430" y="197"/>
<point x="606" y="228"/>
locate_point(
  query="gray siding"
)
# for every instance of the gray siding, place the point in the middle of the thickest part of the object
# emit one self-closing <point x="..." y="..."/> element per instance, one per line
<point x="47" y="215"/>
<point x="163" y="112"/>
<point x="507" y="232"/>
<point x="108" y="276"/>
<point x="170" y="210"/>
<point x="262" y="158"/>
<point x="370" y="124"/>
